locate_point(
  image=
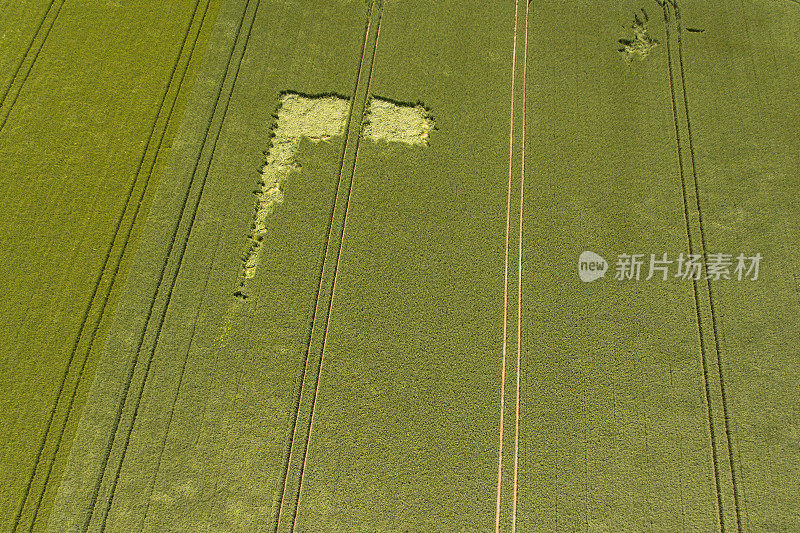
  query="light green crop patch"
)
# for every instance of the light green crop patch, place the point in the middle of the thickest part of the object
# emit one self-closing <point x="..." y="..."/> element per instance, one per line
<point x="393" y="122"/>
<point x="641" y="44"/>
<point x="316" y="119"/>
<point x="319" y="119"/>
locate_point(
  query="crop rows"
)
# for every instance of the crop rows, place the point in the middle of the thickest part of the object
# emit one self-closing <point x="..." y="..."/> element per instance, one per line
<point x="404" y="344"/>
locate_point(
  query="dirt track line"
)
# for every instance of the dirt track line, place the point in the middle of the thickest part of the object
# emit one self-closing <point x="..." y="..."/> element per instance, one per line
<point x="720" y="373"/>
<point x="24" y="59"/>
<point x="336" y="273"/>
<point x="309" y="343"/>
<point x="519" y="267"/>
<point x="103" y="270"/>
<point x="168" y="255"/>
<point x="505" y="282"/>
<point x="704" y="362"/>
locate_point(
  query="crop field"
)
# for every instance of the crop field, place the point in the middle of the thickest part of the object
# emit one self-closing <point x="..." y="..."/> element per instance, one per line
<point x="399" y="266"/>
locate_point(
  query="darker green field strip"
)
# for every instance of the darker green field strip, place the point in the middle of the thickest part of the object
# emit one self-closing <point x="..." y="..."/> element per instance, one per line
<point x="722" y="99"/>
<point x="640" y="419"/>
<point x="23" y="68"/>
<point x="290" y="489"/>
<point x="66" y="301"/>
<point x="87" y="333"/>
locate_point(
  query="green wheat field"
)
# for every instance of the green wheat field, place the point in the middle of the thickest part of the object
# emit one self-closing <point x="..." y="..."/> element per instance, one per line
<point x="388" y="266"/>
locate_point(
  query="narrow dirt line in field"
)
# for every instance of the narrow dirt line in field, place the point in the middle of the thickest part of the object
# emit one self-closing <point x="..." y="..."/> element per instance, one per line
<point x="176" y="262"/>
<point x="704" y="252"/>
<point x="12" y="83"/>
<point x="359" y="104"/>
<point x="295" y="414"/>
<point x="506" y="274"/>
<point x="519" y="267"/>
<point x="103" y="295"/>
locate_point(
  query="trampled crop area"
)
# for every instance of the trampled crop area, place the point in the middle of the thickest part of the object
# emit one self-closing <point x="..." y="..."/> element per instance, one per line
<point x="396" y="265"/>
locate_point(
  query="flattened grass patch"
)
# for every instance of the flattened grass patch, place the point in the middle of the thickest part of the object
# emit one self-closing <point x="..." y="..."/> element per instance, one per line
<point x="319" y="118"/>
<point x="395" y="122"/>
<point x="314" y="118"/>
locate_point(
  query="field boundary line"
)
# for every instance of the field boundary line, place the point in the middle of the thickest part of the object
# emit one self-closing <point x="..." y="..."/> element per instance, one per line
<point x="25" y="58"/>
<point x="166" y="261"/>
<point x="337" y="264"/>
<point x="294" y="416"/>
<point x="519" y="266"/>
<point x="101" y="276"/>
<point x="505" y="281"/>
<point x="720" y="373"/>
